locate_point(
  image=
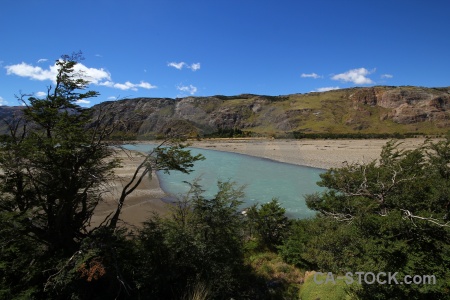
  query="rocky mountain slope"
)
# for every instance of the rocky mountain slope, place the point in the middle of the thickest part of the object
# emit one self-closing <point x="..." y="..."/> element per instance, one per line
<point x="380" y="109"/>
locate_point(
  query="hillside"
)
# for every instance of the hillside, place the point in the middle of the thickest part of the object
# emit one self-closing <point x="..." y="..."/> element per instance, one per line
<point x="7" y="113"/>
<point x="381" y="109"/>
<point x="378" y="109"/>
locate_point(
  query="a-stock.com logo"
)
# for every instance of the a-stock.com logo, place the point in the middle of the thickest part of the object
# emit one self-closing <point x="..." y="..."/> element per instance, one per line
<point x="374" y="278"/>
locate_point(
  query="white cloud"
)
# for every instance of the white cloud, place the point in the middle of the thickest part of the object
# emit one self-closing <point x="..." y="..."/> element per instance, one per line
<point x="175" y="65"/>
<point x="93" y="75"/>
<point x="387" y="76"/>
<point x="312" y="75"/>
<point x="41" y="94"/>
<point x="82" y="101"/>
<point x="125" y="86"/>
<point x="41" y="60"/>
<point x="194" y="67"/>
<point x="357" y="76"/>
<point x="146" y="85"/>
<point x="112" y="98"/>
<point x="327" y="88"/>
<point x="37" y="73"/>
<point x="187" y="89"/>
<point x="128" y="85"/>
<point x="107" y="83"/>
<point x="3" y="102"/>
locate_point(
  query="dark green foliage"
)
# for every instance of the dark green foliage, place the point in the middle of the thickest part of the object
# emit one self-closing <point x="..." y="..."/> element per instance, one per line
<point x="268" y="223"/>
<point x="102" y="268"/>
<point x="53" y="169"/>
<point x="228" y="133"/>
<point x="389" y="215"/>
<point x="200" y="243"/>
<point x="293" y="249"/>
<point x="21" y="258"/>
<point x="175" y="157"/>
<point x="54" y="166"/>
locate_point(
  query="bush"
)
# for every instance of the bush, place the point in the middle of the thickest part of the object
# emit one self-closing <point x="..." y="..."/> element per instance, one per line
<point x="268" y="223"/>
<point x="389" y="215"/>
<point x="201" y="242"/>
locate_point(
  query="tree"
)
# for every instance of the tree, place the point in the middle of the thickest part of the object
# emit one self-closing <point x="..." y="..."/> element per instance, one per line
<point x="389" y="215"/>
<point x="54" y="168"/>
<point x="200" y="243"/>
<point x="268" y="222"/>
<point x="55" y="164"/>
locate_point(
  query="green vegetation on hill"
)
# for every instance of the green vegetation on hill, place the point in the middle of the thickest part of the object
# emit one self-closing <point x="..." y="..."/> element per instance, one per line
<point x="389" y="215"/>
<point x="357" y="112"/>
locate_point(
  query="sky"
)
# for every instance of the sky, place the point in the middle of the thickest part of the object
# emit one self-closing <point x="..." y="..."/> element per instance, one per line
<point x="180" y="48"/>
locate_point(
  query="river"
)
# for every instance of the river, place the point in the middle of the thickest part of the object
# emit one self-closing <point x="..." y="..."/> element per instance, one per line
<point x="264" y="179"/>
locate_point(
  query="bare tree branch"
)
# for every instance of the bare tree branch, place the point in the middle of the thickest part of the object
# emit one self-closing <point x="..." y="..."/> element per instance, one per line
<point x="339" y="216"/>
<point x="408" y="215"/>
<point x="144" y="168"/>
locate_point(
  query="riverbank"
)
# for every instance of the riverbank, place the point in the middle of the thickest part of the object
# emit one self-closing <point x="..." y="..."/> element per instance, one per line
<point x="324" y="154"/>
<point x="141" y="203"/>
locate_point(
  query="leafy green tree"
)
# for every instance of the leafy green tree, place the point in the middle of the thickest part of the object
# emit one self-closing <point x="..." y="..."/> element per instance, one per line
<point x="200" y="243"/>
<point x="389" y="215"/>
<point x="268" y="222"/>
<point x="54" y="166"/>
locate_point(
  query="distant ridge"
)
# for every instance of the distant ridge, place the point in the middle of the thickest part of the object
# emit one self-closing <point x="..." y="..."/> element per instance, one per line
<point x="379" y="109"/>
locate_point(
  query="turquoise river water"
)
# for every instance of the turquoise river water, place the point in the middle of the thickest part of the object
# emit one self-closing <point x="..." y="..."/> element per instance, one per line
<point x="264" y="179"/>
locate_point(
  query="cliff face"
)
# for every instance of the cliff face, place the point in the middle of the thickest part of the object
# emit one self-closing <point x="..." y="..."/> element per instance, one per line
<point x="375" y="109"/>
<point x="192" y="115"/>
<point x="408" y="105"/>
<point x="378" y="109"/>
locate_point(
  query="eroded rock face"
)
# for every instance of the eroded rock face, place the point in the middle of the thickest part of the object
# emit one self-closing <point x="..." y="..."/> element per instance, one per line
<point x="365" y="97"/>
<point x="350" y="110"/>
<point x="397" y="97"/>
<point x="402" y="105"/>
<point x="407" y="104"/>
<point x="202" y="115"/>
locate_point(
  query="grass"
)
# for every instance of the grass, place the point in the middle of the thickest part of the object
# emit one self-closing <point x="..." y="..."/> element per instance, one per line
<point x="289" y="282"/>
<point x="234" y="102"/>
<point x="166" y="111"/>
<point x="284" y="280"/>
<point x="311" y="290"/>
<point x="199" y="292"/>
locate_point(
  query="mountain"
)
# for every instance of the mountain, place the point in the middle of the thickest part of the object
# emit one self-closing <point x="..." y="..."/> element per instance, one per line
<point x="7" y="113"/>
<point x="380" y="109"/>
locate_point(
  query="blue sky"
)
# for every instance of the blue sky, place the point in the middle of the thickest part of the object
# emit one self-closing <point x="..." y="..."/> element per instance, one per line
<point x="179" y="48"/>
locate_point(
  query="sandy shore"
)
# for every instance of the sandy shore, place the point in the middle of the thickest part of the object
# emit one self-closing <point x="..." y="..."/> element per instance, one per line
<point x="140" y="204"/>
<point x="314" y="153"/>
<point x="322" y="154"/>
